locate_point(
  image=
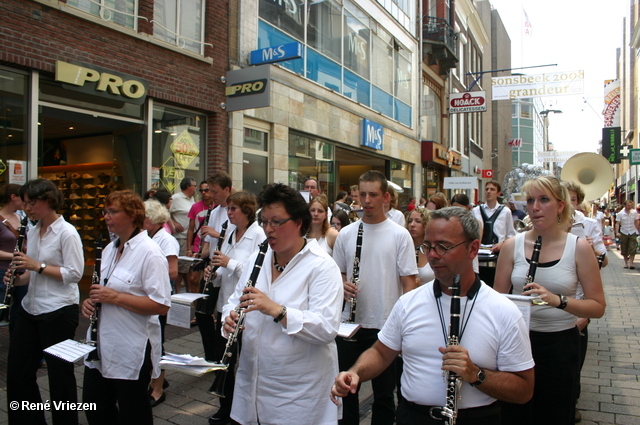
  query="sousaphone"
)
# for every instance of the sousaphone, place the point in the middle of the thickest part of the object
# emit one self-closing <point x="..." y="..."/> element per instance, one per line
<point x="591" y="171"/>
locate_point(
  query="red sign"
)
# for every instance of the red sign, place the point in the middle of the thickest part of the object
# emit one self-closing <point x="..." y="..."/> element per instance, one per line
<point x="514" y="143"/>
<point x="467" y="102"/>
<point x="487" y="174"/>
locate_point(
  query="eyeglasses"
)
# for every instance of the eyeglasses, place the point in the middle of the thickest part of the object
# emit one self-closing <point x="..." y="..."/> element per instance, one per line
<point x="439" y="248"/>
<point x="203" y="190"/>
<point x="273" y="223"/>
<point x="110" y="212"/>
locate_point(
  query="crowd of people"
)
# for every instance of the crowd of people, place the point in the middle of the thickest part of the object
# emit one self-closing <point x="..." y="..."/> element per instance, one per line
<point x="325" y="295"/>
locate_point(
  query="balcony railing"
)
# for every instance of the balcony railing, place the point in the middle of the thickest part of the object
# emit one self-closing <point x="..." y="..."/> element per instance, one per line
<point x="437" y="29"/>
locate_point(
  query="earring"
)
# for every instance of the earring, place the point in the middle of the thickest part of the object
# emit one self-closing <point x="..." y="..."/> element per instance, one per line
<point x="559" y="219"/>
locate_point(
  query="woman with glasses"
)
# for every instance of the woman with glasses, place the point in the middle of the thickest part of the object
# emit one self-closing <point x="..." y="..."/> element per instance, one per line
<point x="288" y="356"/>
<point x="564" y="262"/>
<point x="416" y="225"/>
<point x="134" y="290"/>
<point x="230" y="262"/>
<point x="54" y="265"/>
<point x="320" y="230"/>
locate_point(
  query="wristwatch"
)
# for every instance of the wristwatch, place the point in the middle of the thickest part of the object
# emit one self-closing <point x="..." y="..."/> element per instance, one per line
<point x="283" y="312"/>
<point x="563" y="301"/>
<point x="42" y="266"/>
<point x="480" y="378"/>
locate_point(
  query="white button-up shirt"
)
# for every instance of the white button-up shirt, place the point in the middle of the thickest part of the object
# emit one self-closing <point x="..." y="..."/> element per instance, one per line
<point x="503" y="226"/>
<point x="60" y="246"/>
<point x="627" y="221"/>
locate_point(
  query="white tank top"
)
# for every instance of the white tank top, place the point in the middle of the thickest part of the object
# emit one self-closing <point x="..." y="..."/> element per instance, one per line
<point x="561" y="278"/>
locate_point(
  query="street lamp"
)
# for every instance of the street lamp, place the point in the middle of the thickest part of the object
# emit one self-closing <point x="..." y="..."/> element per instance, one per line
<point x="545" y="135"/>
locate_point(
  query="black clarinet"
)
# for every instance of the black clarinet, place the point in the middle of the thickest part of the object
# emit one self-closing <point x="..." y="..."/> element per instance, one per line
<point x="22" y="233"/>
<point x="207" y="288"/>
<point x="94" y="356"/>
<point x="450" y="410"/>
<point x="230" y="355"/>
<point x="201" y="265"/>
<point x="531" y="275"/>
<point x="355" y="276"/>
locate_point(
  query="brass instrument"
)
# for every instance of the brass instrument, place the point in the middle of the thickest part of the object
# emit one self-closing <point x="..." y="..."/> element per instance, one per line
<point x="8" y="295"/>
<point x="230" y="355"/>
<point x="207" y="288"/>
<point x="591" y="171"/>
<point x="450" y="410"/>
<point x="523" y="225"/>
<point x="94" y="356"/>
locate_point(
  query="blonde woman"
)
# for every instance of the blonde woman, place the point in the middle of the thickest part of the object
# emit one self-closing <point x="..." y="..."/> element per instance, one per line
<point x="416" y="225"/>
<point x="320" y="230"/>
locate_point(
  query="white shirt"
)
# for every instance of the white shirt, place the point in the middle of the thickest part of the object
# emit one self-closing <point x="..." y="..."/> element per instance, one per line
<point x="627" y="221"/>
<point x="495" y="335"/>
<point x="590" y="227"/>
<point x="503" y="226"/>
<point x="397" y="216"/>
<point x="285" y="374"/>
<point x="59" y="246"/>
<point x="216" y="220"/>
<point x="387" y="254"/>
<point x="179" y="209"/>
<point x="167" y="243"/>
<point x="142" y="270"/>
<point x="238" y="252"/>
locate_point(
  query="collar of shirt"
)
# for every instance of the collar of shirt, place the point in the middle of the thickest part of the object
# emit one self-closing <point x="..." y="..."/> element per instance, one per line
<point x="54" y="228"/>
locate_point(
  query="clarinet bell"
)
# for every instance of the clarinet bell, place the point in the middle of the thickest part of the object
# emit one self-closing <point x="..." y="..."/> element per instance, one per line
<point x="217" y="388"/>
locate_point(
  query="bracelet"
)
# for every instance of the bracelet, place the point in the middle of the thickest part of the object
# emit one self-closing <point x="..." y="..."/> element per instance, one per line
<point x="283" y="312"/>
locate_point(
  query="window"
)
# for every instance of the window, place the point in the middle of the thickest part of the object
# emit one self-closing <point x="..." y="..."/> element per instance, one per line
<point x="357" y="50"/>
<point x="286" y="15"/>
<point x="255" y="160"/>
<point x="383" y="58"/>
<point x="430" y="128"/>
<point x="325" y="28"/>
<point x="180" y="22"/>
<point x="121" y="12"/>
<point x="310" y="157"/>
<point x="14" y="96"/>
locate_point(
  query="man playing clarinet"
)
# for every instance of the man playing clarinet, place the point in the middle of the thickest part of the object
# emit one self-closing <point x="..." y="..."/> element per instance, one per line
<point x="493" y="356"/>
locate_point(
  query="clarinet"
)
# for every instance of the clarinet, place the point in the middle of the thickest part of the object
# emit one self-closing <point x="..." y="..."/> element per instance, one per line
<point x="531" y="275"/>
<point x="454" y="382"/>
<point x="355" y="276"/>
<point x="231" y="352"/>
<point x="94" y="356"/>
<point x="601" y="259"/>
<point x="22" y="232"/>
<point x="201" y="265"/>
<point x="207" y="288"/>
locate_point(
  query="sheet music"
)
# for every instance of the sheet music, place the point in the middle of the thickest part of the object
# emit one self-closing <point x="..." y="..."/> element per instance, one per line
<point x="70" y="350"/>
<point x="187" y="297"/>
<point x="347" y="330"/>
<point x="523" y="302"/>
<point x="189" y="259"/>
<point x="180" y="313"/>
<point x="185" y="363"/>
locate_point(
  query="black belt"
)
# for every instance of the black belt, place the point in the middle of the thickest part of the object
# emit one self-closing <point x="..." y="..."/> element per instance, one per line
<point x="470" y="413"/>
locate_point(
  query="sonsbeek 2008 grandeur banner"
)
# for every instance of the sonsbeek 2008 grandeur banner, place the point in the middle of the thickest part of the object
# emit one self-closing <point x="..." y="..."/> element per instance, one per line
<point x="548" y="84"/>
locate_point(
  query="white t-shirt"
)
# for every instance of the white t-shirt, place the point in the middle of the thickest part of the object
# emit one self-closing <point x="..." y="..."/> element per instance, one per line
<point x="167" y="243"/>
<point x="387" y="253"/>
<point x="217" y="218"/>
<point x="503" y="226"/>
<point x="180" y="207"/>
<point x="142" y="270"/>
<point x="495" y="335"/>
<point x="59" y="246"/>
<point x="285" y="374"/>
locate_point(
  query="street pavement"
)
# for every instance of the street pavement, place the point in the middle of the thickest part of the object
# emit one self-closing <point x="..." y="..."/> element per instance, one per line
<point x="610" y="376"/>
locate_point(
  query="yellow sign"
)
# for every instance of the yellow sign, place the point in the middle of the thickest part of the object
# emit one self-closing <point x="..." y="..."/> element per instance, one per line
<point x="170" y="175"/>
<point x="184" y="149"/>
<point x="3" y="167"/>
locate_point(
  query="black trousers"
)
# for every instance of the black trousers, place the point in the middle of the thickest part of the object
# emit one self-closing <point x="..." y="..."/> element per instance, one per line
<point x="206" y="326"/>
<point x="31" y="335"/>
<point x="413" y="414"/>
<point x="119" y="401"/>
<point x="220" y="344"/>
<point x="383" y="409"/>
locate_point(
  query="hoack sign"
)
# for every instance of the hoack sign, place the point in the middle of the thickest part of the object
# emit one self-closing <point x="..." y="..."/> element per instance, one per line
<point x="467" y="102"/>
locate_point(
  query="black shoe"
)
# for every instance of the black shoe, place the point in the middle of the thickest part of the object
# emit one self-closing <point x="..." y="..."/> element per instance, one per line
<point x="221" y="417"/>
<point x="165" y="384"/>
<point x="155" y="402"/>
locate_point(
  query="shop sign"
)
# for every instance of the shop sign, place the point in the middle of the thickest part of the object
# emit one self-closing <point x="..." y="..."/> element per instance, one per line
<point x="514" y="143"/>
<point x="171" y="175"/>
<point x="460" y="183"/>
<point x="467" y="102"/>
<point x="273" y="54"/>
<point x="97" y="81"/>
<point x="487" y="174"/>
<point x="634" y="157"/>
<point x="184" y="149"/>
<point x="372" y="135"/>
<point x="17" y="171"/>
<point x="248" y="88"/>
<point x="538" y="85"/>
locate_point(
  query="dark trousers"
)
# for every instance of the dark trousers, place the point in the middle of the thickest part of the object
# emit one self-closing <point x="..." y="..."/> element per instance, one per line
<point x="207" y="327"/>
<point x="557" y="356"/>
<point x="220" y="344"/>
<point x="584" y="340"/>
<point x="487" y="274"/>
<point x="383" y="409"/>
<point x="119" y="401"/>
<point x="31" y="335"/>
<point x="413" y="414"/>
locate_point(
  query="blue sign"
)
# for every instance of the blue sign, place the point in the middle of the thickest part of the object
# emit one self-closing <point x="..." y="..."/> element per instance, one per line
<point x="279" y="53"/>
<point x="372" y="135"/>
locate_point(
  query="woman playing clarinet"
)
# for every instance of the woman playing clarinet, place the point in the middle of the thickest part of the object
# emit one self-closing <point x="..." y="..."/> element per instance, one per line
<point x="292" y="317"/>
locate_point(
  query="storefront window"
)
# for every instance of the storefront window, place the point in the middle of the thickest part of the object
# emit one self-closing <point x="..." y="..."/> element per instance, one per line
<point x="325" y="28"/>
<point x="255" y="160"/>
<point x="13" y="126"/>
<point x="430" y="115"/>
<point x="180" y="22"/>
<point x="284" y="14"/>
<point x="383" y="58"/>
<point x="178" y="147"/>
<point x="357" y="38"/>
<point x="121" y="12"/>
<point x="402" y="174"/>
<point x="311" y="157"/>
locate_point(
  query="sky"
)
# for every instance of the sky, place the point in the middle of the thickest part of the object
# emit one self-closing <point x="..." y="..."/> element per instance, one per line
<point x="575" y="35"/>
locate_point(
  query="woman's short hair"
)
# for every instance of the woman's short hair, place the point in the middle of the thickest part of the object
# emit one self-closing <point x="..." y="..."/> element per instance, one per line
<point x="575" y="188"/>
<point x="553" y="186"/>
<point x="460" y="198"/>
<point x="470" y="225"/>
<point x="247" y="203"/>
<point x="6" y="191"/>
<point x="130" y="202"/>
<point x="322" y="200"/>
<point x="293" y="203"/>
<point x="439" y="201"/>
<point x="393" y="196"/>
<point x="156" y="212"/>
<point x="163" y="196"/>
<point x="341" y="215"/>
<point x="42" y="190"/>
<point x="424" y="213"/>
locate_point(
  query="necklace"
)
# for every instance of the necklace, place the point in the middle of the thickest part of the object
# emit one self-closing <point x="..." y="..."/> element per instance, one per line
<point x="280" y="268"/>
